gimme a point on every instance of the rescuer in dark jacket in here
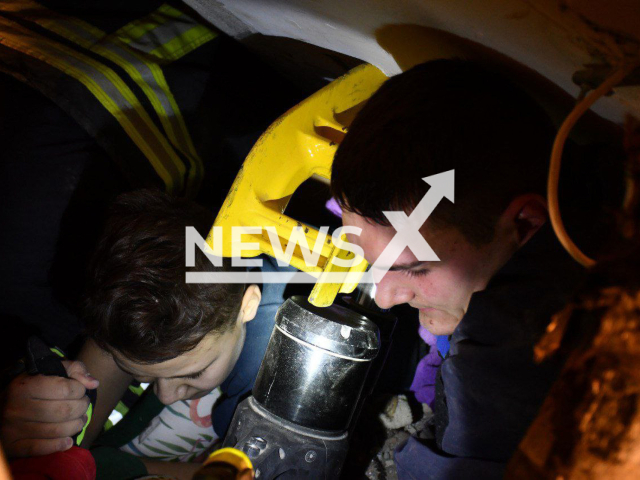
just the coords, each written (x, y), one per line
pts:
(501, 273)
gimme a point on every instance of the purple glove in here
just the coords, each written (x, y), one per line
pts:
(424, 381)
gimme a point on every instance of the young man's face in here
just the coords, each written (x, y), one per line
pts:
(441, 291)
(196, 373)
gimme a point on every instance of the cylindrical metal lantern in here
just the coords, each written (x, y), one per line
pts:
(316, 364)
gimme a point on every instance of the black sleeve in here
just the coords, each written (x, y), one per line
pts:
(55, 183)
(491, 384)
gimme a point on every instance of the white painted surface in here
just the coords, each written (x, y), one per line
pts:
(537, 33)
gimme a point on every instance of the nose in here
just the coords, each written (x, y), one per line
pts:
(389, 293)
(167, 391)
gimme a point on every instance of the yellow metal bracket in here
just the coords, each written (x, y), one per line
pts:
(297, 146)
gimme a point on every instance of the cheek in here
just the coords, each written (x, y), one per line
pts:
(445, 286)
(220, 370)
(210, 379)
(437, 283)
(204, 382)
(215, 375)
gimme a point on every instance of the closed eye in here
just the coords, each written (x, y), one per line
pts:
(194, 376)
(417, 273)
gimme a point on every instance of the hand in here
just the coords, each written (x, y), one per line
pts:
(40, 414)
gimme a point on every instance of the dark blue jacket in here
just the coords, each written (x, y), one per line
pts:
(489, 388)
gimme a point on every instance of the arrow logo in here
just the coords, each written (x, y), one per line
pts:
(408, 227)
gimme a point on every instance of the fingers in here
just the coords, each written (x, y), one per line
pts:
(78, 371)
(43, 431)
(49, 411)
(41, 413)
(34, 448)
(47, 388)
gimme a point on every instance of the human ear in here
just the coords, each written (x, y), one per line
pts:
(250, 303)
(527, 213)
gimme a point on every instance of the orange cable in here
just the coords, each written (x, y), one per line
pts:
(556, 160)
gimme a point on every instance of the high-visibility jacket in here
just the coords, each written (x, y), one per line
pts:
(113, 84)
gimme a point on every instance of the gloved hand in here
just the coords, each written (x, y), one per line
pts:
(41, 413)
(424, 381)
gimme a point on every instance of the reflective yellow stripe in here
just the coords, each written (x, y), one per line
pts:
(167, 34)
(112, 48)
(126, 109)
(174, 125)
(139, 28)
(185, 43)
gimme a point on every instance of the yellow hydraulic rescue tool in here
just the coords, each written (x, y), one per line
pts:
(297, 146)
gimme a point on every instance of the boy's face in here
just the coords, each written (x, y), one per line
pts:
(441, 291)
(196, 373)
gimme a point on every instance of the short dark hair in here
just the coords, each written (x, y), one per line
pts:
(137, 301)
(438, 116)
